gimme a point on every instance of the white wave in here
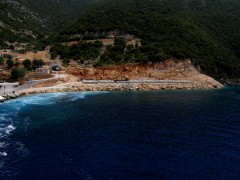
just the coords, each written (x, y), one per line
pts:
(82, 95)
(5, 117)
(53, 98)
(3, 154)
(10, 109)
(76, 96)
(6, 130)
(1, 164)
(3, 144)
(10, 128)
(2, 117)
(47, 99)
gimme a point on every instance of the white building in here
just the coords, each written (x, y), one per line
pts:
(43, 71)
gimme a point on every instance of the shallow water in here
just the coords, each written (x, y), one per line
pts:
(122, 135)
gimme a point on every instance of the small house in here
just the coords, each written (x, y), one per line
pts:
(43, 71)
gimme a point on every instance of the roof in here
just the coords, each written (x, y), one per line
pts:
(44, 67)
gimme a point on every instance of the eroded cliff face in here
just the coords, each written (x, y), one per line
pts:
(168, 70)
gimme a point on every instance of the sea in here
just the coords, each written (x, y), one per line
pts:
(183, 134)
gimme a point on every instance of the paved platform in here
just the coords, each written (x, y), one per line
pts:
(8, 88)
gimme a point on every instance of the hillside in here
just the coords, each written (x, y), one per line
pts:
(57, 12)
(207, 32)
(30, 20)
(18, 23)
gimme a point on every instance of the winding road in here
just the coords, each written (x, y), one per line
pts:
(9, 88)
(30, 84)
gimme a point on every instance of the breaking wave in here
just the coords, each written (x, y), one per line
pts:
(6, 128)
(9, 118)
(50, 98)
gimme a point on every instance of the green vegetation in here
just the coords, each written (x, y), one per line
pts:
(113, 54)
(81, 51)
(27, 63)
(17, 24)
(199, 30)
(18, 73)
(10, 63)
(57, 12)
(36, 63)
(66, 61)
(207, 32)
(1, 61)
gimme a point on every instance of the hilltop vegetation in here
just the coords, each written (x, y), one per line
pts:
(17, 23)
(57, 12)
(28, 21)
(207, 32)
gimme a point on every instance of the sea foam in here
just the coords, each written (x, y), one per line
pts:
(3, 154)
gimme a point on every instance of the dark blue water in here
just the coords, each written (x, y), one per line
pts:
(122, 135)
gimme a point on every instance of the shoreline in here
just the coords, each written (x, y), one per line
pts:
(124, 86)
(80, 87)
(170, 75)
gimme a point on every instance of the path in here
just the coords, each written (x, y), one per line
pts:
(9, 88)
(35, 82)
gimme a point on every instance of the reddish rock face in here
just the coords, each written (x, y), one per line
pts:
(170, 69)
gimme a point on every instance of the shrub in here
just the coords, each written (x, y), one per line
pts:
(10, 63)
(66, 61)
(27, 63)
(11, 47)
(36, 63)
(18, 73)
(1, 61)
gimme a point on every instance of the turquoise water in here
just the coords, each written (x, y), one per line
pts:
(122, 135)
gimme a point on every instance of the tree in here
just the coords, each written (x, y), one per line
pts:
(9, 56)
(18, 73)
(66, 61)
(39, 46)
(16, 63)
(10, 63)
(1, 61)
(36, 63)
(27, 63)
(11, 47)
